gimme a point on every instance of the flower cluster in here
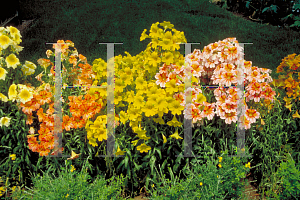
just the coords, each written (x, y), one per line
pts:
(219, 61)
(290, 78)
(142, 96)
(80, 109)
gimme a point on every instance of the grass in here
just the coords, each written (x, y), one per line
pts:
(88, 23)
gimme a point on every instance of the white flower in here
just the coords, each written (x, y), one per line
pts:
(4, 121)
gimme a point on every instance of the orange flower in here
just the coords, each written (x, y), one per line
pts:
(33, 144)
(41, 115)
(251, 114)
(86, 112)
(27, 108)
(44, 97)
(73, 156)
(49, 120)
(82, 58)
(44, 131)
(96, 107)
(29, 119)
(67, 123)
(50, 110)
(44, 151)
(44, 62)
(75, 110)
(61, 46)
(73, 60)
(89, 99)
(77, 122)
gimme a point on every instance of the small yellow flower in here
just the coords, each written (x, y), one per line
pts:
(73, 169)
(200, 183)
(119, 152)
(67, 195)
(153, 185)
(13, 188)
(248, 165)
(220, 165)
(2, 189)
(164, 138)
(217, 176)
(220, 159)
(13, 156)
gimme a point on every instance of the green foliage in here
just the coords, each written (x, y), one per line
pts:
(72, 185)
(87, 24)
(274, 12)
(14, 141)
(204, 180)
(289, 175)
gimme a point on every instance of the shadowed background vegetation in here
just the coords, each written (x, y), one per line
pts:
(88, 23)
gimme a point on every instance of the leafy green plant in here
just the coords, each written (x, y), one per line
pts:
(72, 185)
(214, 178)
(289, 175)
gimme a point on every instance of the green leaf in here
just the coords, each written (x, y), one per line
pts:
(126, 161)
(296, 23)
(158, 151)
(138, 167)
(152, 162)
(265, 9)
(296, 6)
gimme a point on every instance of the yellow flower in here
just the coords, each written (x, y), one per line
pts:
(28, 68)
(119, 152)
(166, 25)
(13, 188)
(200, 98)
(5, 41)
(296, 115)
(67, 195)
(247, 165)
(200, 183)
(12, 61)
(13, 156)
(289, 107)
(153, 185)
(175, 135)
(73, 156)
(3, 73)
(134, 142)
(2, 190)
(12, 92)
(25, 95)
(4, 121)
(220, 165)
(13, 31)
(164, 138)
(3, 97)
(220, 159)
(168, 56)
(73, 168)
(144, 35)
(49, 53)
(143, 148)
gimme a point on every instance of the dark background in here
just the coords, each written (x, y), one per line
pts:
(26, 10)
